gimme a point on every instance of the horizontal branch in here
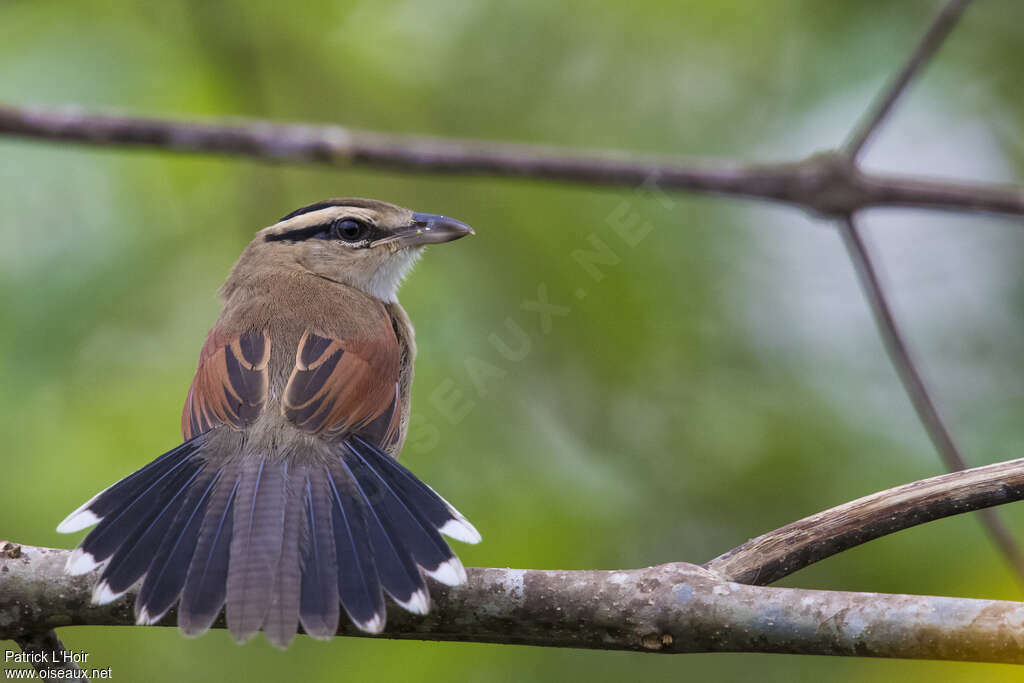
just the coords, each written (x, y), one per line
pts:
(827, 183)
(781, 552)
(672, 608)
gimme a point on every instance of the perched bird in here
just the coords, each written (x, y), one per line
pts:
(286, 500)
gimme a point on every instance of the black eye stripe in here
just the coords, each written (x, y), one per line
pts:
(321, 231)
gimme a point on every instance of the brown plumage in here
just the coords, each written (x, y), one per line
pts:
(285, 502)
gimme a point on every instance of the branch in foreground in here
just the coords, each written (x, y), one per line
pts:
(672, 608)
(827, 183)
(933, 37)
(781, 552)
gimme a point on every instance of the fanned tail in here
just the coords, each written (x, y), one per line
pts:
(275, 543)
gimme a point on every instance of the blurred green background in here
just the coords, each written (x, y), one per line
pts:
(722, 379)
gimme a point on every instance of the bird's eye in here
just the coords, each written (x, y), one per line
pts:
(348, 230)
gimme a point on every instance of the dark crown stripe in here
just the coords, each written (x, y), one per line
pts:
(327, 203)
(300, 234)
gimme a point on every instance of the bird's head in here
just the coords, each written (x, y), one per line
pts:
(363, 243)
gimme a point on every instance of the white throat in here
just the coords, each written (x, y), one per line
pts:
(386, 280)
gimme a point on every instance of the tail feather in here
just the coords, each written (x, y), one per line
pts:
(115, 497)
(282, 619)
(359, 586)
(125, 507)
(166, 575)
(206, 583)
(405, 524)
(155, 514)
(319, 601)
(255, 545)
(279, 542)
(396, 568)
(438, 511)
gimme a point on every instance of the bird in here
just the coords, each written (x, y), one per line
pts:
(285, 504)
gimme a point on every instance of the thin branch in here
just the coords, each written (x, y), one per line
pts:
(925, 49)
(779, 553)
(672, 608)
(826, 183)
(914, 384)
(895, 345)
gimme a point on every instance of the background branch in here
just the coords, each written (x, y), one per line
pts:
(933, 38)
(874, 291)
(672, 608)
(913, 383)
(826, 183)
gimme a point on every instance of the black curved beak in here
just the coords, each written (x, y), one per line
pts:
(430, 228)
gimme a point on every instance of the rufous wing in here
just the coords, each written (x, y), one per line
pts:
(230, 385)
(343, 386)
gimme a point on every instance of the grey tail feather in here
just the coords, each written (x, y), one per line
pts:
(282, 621)
(255, 545)
(319, 607)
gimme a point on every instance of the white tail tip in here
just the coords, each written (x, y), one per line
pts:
(450, 573)
(419, 603)
(78, 520)
(461, 530)
(102, 594)
(80, 562)
(375, 625)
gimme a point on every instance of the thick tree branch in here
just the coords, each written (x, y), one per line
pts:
(673, 608)
(781, 552)
(670, 608)
(827, 183)
(933, 37)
